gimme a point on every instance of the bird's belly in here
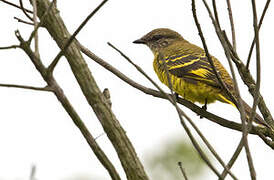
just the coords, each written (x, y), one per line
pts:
(192, 91)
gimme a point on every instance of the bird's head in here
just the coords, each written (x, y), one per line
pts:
(159, 38)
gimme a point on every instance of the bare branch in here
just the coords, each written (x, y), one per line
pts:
(36, 45)
(257, 86)
(24, 10)
(9, 47)
(68, 107)
(259, 26)
(23, 21)
(15, 5)
(243, 116)
(216, 13)
(47, 88)
(231, 24)
(182, 170)
(243, 71)
(42, 19)
(60, 54)
(233, 159)
(209, 57)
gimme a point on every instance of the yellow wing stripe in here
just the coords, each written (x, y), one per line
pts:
(178, 58)
(200, 72)
(226, 100)
(184, 64)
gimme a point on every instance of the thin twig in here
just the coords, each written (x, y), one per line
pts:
(243, 116)
(47, 88)
(240, 104)
(209, 57)
(233, 159)
(182, 170)
(244, 73)
(24, 10)
(259, 26)
(243, 119)
(23, 21)
(10, 47)
(240, 107)
(258, 82)
(231, 24)
(15, 5)
(42, 19)
(69, 41)
(216, 13)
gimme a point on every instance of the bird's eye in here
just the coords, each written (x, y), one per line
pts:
(157, 37)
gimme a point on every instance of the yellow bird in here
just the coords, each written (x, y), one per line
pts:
(190, 72)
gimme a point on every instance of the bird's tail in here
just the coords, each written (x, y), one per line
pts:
(257, 118)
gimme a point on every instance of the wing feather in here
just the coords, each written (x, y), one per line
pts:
(192, 69)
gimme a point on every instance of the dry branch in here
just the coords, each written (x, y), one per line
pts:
(52, 84)
(126, 153)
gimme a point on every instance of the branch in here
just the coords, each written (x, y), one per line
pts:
(24, 45)
(60, 54)
(209, 57)
(231, 24)
(116, 134)
(36, 45)
(47, 88)
(196, 109)
(233, 159)
(9, 47)
(182, 170)
(23, 21)
(15, 5)
(24, 10)
(243, 71)
(42, 19)
(259, 26)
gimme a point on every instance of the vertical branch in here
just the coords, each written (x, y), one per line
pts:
(231, 24)
(258, 80)
(240, 104)
(216, 13)
(259, 26)
(207, 53)
(36, 45)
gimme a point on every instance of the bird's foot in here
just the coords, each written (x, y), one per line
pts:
(204, 107)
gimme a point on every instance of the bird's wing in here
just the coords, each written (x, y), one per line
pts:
(192, 69)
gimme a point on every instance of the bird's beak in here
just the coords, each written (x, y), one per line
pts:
(139, 41)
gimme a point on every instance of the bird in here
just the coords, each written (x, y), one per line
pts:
(186, 67)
